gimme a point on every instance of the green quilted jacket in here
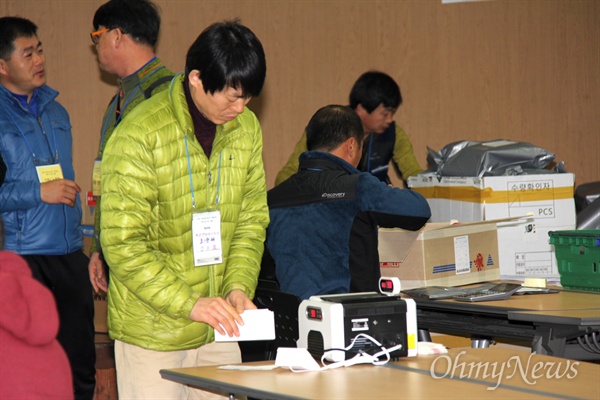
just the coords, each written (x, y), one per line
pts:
(147, 216)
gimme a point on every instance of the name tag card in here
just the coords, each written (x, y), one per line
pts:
(206, 238)
(47, 173)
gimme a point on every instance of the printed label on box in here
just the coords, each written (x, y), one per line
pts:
(536, 197)
(535, 263)
(461, 254)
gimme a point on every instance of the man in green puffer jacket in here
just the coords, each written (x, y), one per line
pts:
(184, 215)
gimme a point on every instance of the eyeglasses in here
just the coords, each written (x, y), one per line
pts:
(95, 36)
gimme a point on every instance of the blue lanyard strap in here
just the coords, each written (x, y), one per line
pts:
(219, 177)
(187, 153)
(54, 156)
(369, 153)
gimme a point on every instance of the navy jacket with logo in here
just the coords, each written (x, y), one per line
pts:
(323, 231)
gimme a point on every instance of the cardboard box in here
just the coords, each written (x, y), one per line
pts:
(524, 249)
(549, 197)
(440, 254)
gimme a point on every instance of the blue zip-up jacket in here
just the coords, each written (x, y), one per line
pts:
(323, 230)
(32, 226)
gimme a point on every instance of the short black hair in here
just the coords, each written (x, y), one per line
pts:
(374, 88)
(12, 28)
(139, 19)
(228, 54)
(331, 126)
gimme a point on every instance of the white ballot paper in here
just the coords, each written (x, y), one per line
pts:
(258, 325)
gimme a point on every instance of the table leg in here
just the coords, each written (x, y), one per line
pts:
(480, 342)
(423, 335)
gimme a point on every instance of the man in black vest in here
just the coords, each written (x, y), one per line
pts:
(375, 97)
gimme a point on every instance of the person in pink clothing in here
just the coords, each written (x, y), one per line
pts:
(33, 365)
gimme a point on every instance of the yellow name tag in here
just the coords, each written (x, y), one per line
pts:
(96, 182)
(47, 173)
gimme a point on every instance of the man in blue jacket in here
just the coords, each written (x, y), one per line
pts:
(323, 231)
(39, 199)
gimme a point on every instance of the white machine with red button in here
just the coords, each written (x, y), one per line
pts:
(334, 322)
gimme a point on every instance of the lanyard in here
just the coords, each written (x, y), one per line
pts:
(187, 152)
(55, 156)
(369, 154)
(310, 169)
(130, 97)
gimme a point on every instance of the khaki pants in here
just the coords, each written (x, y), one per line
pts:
(138, 376)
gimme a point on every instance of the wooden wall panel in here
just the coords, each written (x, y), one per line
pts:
(524, 70)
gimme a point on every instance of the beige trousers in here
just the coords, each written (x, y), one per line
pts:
(138, 376)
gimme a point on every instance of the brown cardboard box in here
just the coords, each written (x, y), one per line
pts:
(440, 254)
(524, 249)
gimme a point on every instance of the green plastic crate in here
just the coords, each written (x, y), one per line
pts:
(578, 258)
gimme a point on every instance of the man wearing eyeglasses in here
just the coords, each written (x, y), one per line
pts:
(39, 199)
(125, 34)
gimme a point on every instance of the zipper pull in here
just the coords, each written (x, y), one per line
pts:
(209, 178)
(39, 121)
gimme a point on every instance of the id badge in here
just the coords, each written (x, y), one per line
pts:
(206, 238)
(96, 182)
(47, 173)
